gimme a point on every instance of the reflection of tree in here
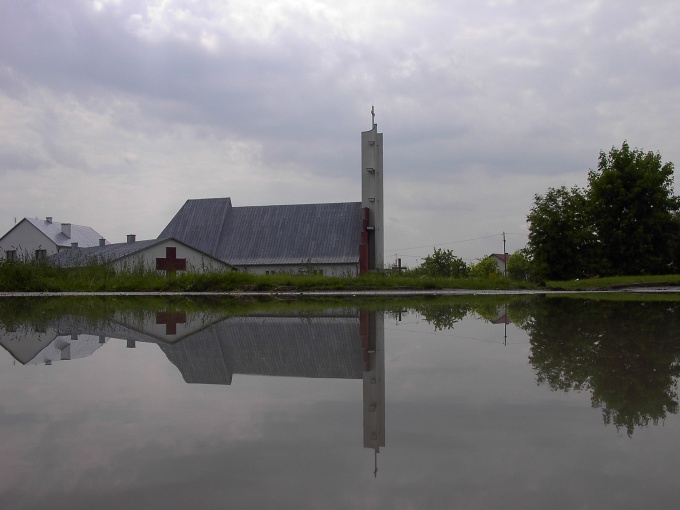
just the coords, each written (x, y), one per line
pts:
(625, 353)
(445, 313)
(443, 316)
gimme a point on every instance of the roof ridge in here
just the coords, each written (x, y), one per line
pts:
(297, 205)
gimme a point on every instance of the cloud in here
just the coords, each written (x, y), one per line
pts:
(248, 97)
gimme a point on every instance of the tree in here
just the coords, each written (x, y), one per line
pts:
(520, 265)
(562, 242)
(484, 268)
(443, 263)
(633, 206)
(626, 222)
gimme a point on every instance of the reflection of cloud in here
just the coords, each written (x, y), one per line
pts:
(468, 428)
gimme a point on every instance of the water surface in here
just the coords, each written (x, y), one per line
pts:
(467, 402)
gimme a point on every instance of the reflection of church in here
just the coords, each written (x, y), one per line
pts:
(208, 348)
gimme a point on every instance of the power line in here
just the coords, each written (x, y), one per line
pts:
(444, 244)
(395, 250)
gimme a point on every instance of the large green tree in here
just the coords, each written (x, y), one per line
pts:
(562, 242)
(625, 222)
(632, 203)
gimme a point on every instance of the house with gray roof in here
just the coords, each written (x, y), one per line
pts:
(33, 238)
(167, 255)
(339, 239)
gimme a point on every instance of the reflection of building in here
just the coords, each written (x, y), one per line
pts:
(31, 346)
(284, 346)
(208, 348)
(502, 316)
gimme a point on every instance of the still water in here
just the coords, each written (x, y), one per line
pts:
(466, 402)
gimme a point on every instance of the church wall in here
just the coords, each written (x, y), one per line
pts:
(326, 269)
(196, 262)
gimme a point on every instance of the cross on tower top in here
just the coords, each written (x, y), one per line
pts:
(373, 116)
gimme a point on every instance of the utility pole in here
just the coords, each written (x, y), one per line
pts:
(505, 257)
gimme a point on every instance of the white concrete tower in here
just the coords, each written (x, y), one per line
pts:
(372, 193)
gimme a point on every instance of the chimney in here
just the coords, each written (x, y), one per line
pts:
(130, 238)
(66, 229)
(48, 219)
(74, 245)
(102, 242)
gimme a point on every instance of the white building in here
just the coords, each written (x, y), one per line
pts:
(501, 260)
(32, 238)
(164, 255)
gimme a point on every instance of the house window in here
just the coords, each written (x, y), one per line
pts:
(11, 255)
(40, 254)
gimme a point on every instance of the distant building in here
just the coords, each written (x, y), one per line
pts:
(501, 260)
(32, 238)
(342, 239)
(166, 255)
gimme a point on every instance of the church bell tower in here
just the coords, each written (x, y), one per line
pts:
(372, 194)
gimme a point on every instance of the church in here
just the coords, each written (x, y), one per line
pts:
(335, 239)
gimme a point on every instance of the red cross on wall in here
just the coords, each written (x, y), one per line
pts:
(170, 320)
(171, 263)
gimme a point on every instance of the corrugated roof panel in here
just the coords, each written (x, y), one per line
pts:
(78, 257)
(199, 223)
(292, 234)
(275, 234)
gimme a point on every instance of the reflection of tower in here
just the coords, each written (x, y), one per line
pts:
(372, 327)
(372, 193)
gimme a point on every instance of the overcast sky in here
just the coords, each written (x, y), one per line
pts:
(114, 112)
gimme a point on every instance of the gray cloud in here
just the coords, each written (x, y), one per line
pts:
(492, 89)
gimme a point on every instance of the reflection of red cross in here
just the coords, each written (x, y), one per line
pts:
(171, 319)
(171, 263)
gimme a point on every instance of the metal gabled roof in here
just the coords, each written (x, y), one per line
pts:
(275, 234)
(83, 235)
(199, 223)
(79, 257)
